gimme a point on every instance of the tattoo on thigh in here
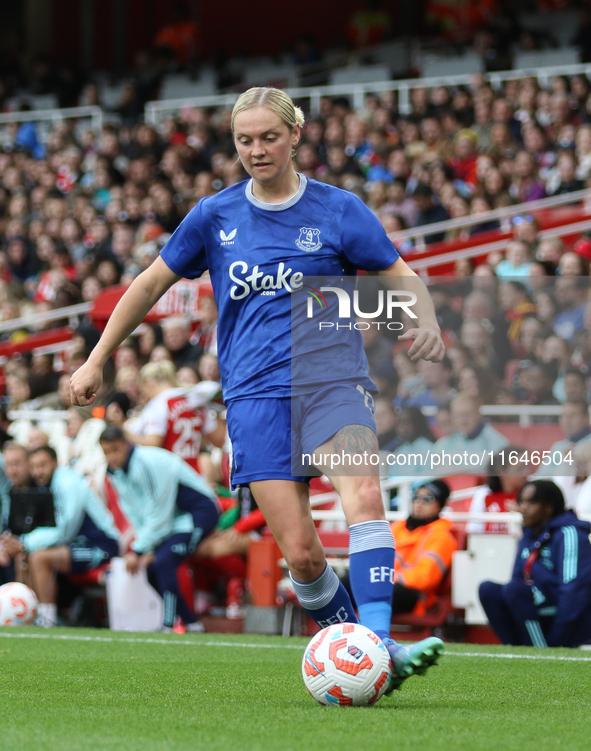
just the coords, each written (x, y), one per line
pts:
(355, 439)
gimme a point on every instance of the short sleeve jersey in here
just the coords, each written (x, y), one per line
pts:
(257, 255)
(180, 417)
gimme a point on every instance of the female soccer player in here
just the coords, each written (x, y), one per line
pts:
(267, 235)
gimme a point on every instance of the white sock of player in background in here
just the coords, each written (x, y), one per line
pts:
(47, 613)
(371, 574)
(325, 599)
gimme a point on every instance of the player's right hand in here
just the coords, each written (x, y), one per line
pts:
(85, 383)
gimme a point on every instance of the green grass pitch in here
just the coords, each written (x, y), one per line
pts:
(78, 690)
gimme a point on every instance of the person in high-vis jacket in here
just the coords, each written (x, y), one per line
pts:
(84, 536)
(171, 509)
(424, 548)
(547, 602)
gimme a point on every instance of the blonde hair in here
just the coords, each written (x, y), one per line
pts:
(273, 99)
(161, 372)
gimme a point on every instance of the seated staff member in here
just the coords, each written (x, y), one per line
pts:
(171, 509)
(424, 548)
(14, 473)
(83, 538)
(547, 603)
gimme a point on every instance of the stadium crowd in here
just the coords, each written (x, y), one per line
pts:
(86, 211)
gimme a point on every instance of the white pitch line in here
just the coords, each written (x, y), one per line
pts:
(245, 645)
(501, 656)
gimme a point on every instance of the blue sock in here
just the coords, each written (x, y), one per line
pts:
(371, 573)
(325, 599)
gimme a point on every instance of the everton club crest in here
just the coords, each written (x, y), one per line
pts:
(309, 239)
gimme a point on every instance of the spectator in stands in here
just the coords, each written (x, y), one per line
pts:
(571, 296)
(526, 185)
(399, 203)
(385, 418)
(531, 339)
(424, 549)
(546, 308)
(558, 351)
(414, 437)
(437, 387)
(550, 249)
(573, 264)
(448, 318)
(160, 353)
(127, 380)
(150, 337)
(476, 337)
(507, 473)
(566, 166)
(535, 381)
(574, 421)
(478, 382)
(171, 509)
(516, 305)
(177, 339)
(117, 407)
(517, 262)
(472, 435)
(84, 537)
(546, 603)
(575, 385)
(378, 349)
(429, 212)
(205, 334)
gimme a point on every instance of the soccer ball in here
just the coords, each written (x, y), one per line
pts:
(346, 665)
(18, 604)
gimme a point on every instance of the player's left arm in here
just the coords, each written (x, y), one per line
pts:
(426, 335)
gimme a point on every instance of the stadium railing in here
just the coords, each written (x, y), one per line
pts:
(525, 412)
(72, 313)
(156, 110)
(504, 216)
(95, 115)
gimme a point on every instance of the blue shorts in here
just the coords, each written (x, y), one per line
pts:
(90, 553)
(267, 433)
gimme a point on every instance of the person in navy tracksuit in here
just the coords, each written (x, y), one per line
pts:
(547, 603)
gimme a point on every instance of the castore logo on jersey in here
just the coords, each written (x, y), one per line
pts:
(228, 239)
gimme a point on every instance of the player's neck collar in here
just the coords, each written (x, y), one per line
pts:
(277, 206)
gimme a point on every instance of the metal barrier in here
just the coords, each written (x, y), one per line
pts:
(421, 265)
(54, 117)
(72, 313)
(506, 212)
(155, 110)
(524, 412)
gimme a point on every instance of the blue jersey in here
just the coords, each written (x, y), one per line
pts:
(257, 255)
